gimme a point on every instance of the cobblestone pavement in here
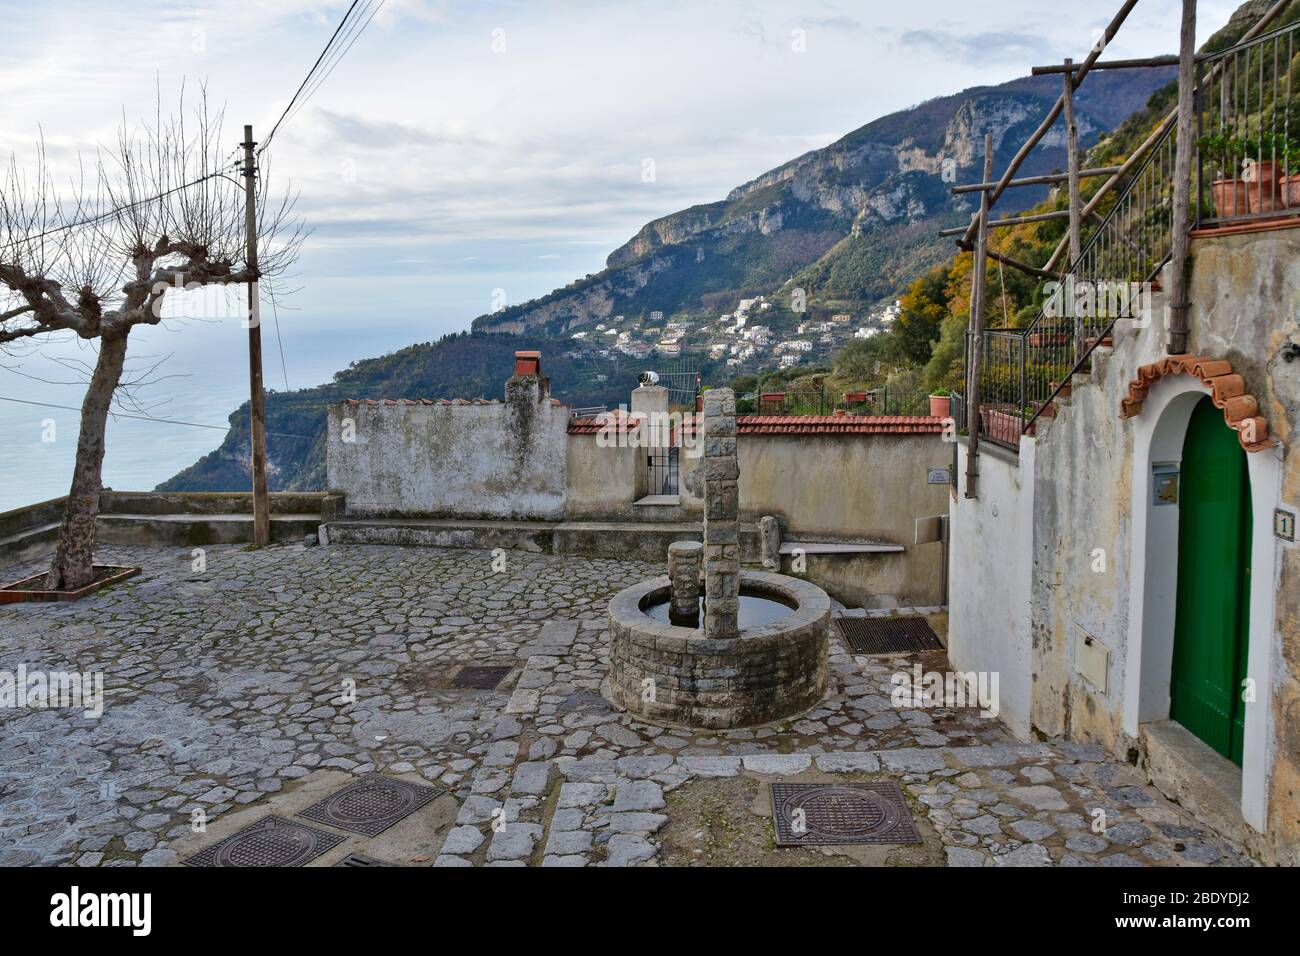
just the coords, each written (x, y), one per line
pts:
(225, 686)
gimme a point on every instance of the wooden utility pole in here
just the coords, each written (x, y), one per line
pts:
(1178, 328)
(978, 267)
(1075, 231)
(1072, 151)
(257, 394)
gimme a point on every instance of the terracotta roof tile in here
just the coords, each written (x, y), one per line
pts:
(838, 425)
(597, 423)
(1227, 391)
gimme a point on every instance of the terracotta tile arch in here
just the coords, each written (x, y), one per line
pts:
(1227, 391)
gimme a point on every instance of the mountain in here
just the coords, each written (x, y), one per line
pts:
(852, 224)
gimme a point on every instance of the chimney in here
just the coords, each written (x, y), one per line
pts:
(528, 384)
(528, 363)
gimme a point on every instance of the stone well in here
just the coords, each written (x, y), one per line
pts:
(717, 675)
(672, 675)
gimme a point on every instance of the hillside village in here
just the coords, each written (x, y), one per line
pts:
(737, 337)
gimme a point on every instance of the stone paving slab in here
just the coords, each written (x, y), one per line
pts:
(228, 688)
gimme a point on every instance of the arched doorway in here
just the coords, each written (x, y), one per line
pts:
(1212, 618)
(1160, 439)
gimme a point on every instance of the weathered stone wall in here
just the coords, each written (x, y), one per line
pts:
(853, 487)
(498, 460)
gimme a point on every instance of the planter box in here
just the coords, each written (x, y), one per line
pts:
(19, 592)
(1290, 189)
(1264, 191)
(1049, 338)
(1003, 426)
(1231, 197)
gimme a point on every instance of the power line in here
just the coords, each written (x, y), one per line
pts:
(91, 220)
(354, 34)
(310, 74)
(146, 418)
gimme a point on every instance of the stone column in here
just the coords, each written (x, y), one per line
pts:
(770, 534)
(721, 515)
(684, 570)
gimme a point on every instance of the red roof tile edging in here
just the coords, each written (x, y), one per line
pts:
(1227, 391)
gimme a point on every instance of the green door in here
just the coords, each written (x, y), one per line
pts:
(1213, 602)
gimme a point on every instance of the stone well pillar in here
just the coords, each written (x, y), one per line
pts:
(684, 571)
(721, 516)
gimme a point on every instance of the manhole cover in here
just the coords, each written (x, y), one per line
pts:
(887, 635)
(360, 860)
(811, 814)
(274, 841)
(481, 677)
(371, 805)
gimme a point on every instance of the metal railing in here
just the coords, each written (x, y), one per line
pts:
(1248, 131)
(662, 468)
(881, 400)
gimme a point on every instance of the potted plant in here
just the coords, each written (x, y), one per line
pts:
(1289, 184)
(1231, 195)
(941, 405)
(1264, 154)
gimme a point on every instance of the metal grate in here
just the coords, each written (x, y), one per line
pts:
(371, 805)
(273, 841)
(888, 635)
(816, 814)
(360, 861)
(481, 677)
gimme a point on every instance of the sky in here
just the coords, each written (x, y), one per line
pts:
(464, 154)
(460, 148)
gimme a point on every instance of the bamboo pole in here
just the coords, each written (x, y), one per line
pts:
(1178, 327)
(1168, 59)
(1011, 221)
(1054, 113)
(978, 267)
(1051, 179)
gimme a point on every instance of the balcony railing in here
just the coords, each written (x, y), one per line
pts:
(1248, 131)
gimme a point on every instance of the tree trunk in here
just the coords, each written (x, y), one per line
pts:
(74, 555)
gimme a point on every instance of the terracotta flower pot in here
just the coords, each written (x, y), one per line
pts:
(1230, 197)
(940, 406)
(1262, 187)
(1290, 190)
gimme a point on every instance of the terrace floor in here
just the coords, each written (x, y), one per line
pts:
(228, 698)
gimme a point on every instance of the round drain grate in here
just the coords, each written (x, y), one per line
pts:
(273, 841)
(808, 814)
(371, 805)
(841, 812)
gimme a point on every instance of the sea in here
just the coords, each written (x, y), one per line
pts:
(192, 371)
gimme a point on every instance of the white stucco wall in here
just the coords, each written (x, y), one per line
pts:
(989, 578)
(500, 460)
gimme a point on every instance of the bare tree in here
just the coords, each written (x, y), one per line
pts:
(159, 211)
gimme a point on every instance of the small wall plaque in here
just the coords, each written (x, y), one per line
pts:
(1284, 524)
(1091, 658)
(1164, 485)
(938, 476)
